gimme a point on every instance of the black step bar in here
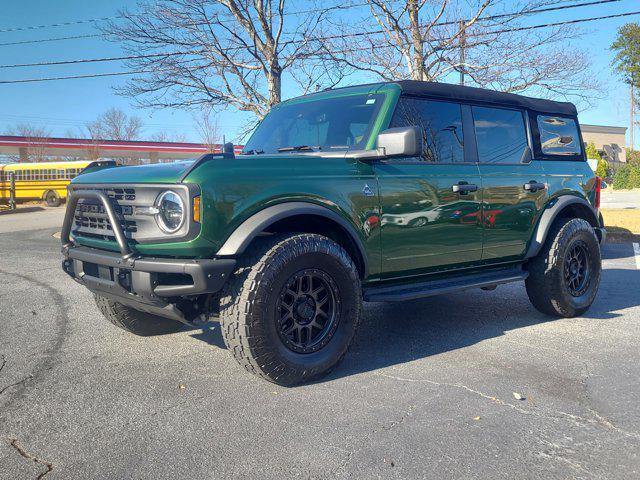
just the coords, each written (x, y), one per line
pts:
(400, 293)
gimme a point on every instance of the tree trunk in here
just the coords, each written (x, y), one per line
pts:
(274, 84)
(417, 69)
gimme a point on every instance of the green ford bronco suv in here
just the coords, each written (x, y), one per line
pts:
(375, 193)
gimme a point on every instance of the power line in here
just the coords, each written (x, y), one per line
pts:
(336, 7)
(59, 24)
(94, 60)
(557, 24)
(331, 37)
(116, 17)
(528, 12)
(531, 27)
(361, 34)
(54, 39)
(71, 77)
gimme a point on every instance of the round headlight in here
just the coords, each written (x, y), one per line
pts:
(171, 212)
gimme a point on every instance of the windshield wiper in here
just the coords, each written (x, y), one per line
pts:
(253, 152)
(298, 148)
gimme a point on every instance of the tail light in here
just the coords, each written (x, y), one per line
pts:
(598, 188)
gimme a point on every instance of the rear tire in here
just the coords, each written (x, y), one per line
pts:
(565, 275)
(135, 321)
(291, 309)
(52, 199)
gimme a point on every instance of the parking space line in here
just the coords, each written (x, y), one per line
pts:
(636, 252)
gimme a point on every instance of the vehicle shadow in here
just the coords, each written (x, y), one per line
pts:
(21, 210)
(209, 333)
(396, 333)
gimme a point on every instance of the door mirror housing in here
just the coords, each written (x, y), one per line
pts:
(400, 141)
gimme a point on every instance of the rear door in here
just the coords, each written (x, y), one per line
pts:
(430, 205)
(514, 189)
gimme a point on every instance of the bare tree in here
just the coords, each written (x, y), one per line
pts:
(114, 124)
(35, 137)
(445, 40)
(217, 53)
(164, 136)
(207, 126)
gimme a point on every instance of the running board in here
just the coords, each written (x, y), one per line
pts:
(400, 293)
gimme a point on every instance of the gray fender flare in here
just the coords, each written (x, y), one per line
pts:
(258, 222)
(549, 215)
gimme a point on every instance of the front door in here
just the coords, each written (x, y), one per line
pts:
(430, 205)
(514, 185)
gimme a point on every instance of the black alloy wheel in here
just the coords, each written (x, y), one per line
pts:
(308, 311)
(576, 269)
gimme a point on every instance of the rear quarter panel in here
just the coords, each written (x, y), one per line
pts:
(570, 178)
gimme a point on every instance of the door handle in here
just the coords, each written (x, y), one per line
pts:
(534, 186)
(464, 188)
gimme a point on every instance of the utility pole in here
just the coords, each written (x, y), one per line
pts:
(631, 123)
(463, 43)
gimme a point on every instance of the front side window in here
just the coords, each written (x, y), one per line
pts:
(501, 135)
(328, 124)
(441, 125)
(558, 135)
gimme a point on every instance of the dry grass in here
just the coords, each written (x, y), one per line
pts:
(621, 220)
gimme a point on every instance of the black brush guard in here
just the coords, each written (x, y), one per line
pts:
(149, 284)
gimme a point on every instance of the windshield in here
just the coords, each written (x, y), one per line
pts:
(337, 123)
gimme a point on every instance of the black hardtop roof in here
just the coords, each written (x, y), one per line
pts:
(450, 91)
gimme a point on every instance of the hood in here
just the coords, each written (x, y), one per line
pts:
(154, 173)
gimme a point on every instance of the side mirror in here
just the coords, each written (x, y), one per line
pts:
(400, 141)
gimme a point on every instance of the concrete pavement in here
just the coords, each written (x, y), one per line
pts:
(620, 198)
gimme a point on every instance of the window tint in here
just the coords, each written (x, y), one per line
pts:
(501, 135)
(558, 136)
(441, 124)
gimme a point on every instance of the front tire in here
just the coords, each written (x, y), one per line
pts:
(291, 310)
(565, 275)
(134, 321)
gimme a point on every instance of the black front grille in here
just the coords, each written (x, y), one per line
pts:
(127, 194)
(90, 217)
(87, 220)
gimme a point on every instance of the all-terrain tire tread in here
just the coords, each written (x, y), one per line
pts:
(544, 274)
(238, 301)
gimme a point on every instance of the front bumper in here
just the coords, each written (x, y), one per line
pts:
(153, 285)
(147, 284)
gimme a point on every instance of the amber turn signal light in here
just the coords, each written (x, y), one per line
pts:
(196, 209)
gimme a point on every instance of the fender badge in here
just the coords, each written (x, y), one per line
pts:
(367, 191)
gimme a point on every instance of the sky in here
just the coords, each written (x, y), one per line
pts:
(64, 107)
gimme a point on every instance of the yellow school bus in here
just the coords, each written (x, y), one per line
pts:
(46, 181)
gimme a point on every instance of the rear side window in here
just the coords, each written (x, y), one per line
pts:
(441, 124)
(501, 135)
(558, 135)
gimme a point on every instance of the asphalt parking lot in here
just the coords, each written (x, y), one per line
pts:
(426, 391)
